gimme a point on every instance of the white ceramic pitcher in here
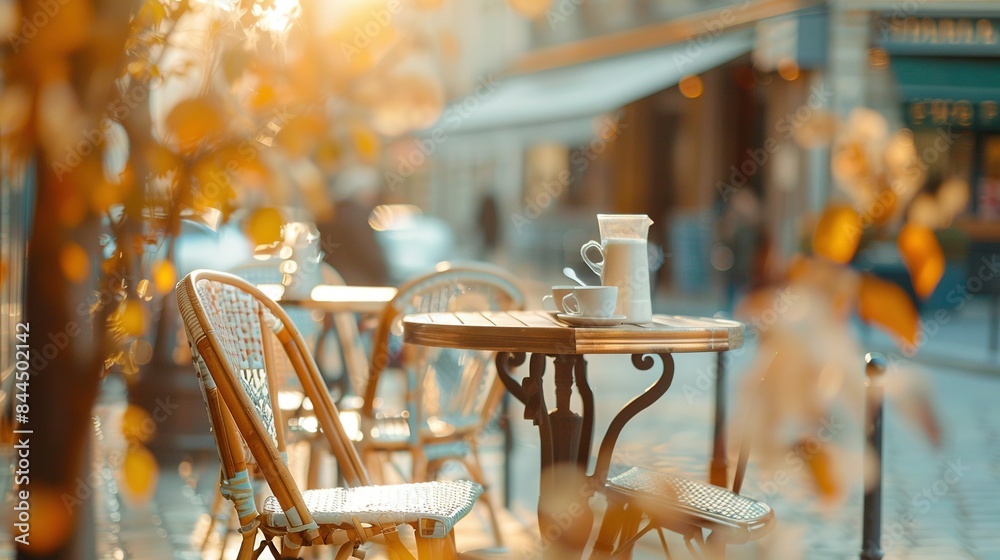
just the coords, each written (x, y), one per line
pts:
(624, 263)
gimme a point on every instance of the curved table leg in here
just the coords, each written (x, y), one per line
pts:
(652, 393)
(587, 395)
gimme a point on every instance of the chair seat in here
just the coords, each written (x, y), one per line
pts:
(440, 503)
(669, 497)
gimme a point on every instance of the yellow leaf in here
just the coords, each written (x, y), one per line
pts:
(74, 262)
(164, 276)
(299, 137)
(137, 425)
(140, 472)
(192, 122)
(264, 226)
(819, 462)
(923, 257)
(132, 318)
(837, 234)
(366, 143)
(160, 159)
(889, 307)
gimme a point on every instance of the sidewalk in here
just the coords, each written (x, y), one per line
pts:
(939, 503)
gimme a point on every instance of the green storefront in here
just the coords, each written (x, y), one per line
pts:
(947, 72)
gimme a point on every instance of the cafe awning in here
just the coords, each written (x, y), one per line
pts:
(928, 77)
(589, 89)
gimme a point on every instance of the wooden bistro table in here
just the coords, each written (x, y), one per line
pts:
(564, 515)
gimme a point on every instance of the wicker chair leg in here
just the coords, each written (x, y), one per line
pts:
(435, 549)
(213, 515)
(611, 525)
(289, 553)
(715, 548)
(246, 547)
(630, 528)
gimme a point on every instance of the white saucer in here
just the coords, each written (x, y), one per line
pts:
(581, 321)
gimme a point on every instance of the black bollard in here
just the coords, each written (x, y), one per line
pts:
(871, 537)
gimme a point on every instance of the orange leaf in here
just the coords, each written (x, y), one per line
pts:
(820, 464)
(889, 307)
(838, 234)
(132, 318)
(923, 257)
(193, 121)
(74, 262)
(164, 276)
(137, 424)
(264, 226)
(140, 472)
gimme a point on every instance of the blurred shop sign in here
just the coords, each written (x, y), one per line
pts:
(955, 113)
(904, 33)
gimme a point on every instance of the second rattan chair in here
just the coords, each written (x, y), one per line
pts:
(234, 331)
(453, 395)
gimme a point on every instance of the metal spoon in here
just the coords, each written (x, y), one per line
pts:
(571, 274)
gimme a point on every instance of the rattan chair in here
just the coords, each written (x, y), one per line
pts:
(234, 331)
(291, 398)
(453, 395)
(685, 506)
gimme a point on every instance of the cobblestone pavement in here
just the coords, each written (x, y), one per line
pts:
(939, 503)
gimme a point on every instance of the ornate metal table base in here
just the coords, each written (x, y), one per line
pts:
(566, 438)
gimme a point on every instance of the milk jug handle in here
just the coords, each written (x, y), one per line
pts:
(598, 266)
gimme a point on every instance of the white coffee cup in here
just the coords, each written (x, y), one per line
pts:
(553, 301)
(596, 302)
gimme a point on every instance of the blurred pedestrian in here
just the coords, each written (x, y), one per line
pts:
(489, 224)
(347, 239)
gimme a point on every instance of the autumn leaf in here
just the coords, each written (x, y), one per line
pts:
(838, 234)
(74, 262)
(263, 227)
(137, 425)
(299, 137)
(923, 257)
(140, 473)
(132, 318)
(192, 122)
(889, 307)
(164, 276)
(819, 462)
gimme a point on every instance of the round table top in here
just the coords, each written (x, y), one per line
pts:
(541, 331)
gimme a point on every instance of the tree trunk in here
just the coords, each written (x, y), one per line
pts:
(65, 372)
